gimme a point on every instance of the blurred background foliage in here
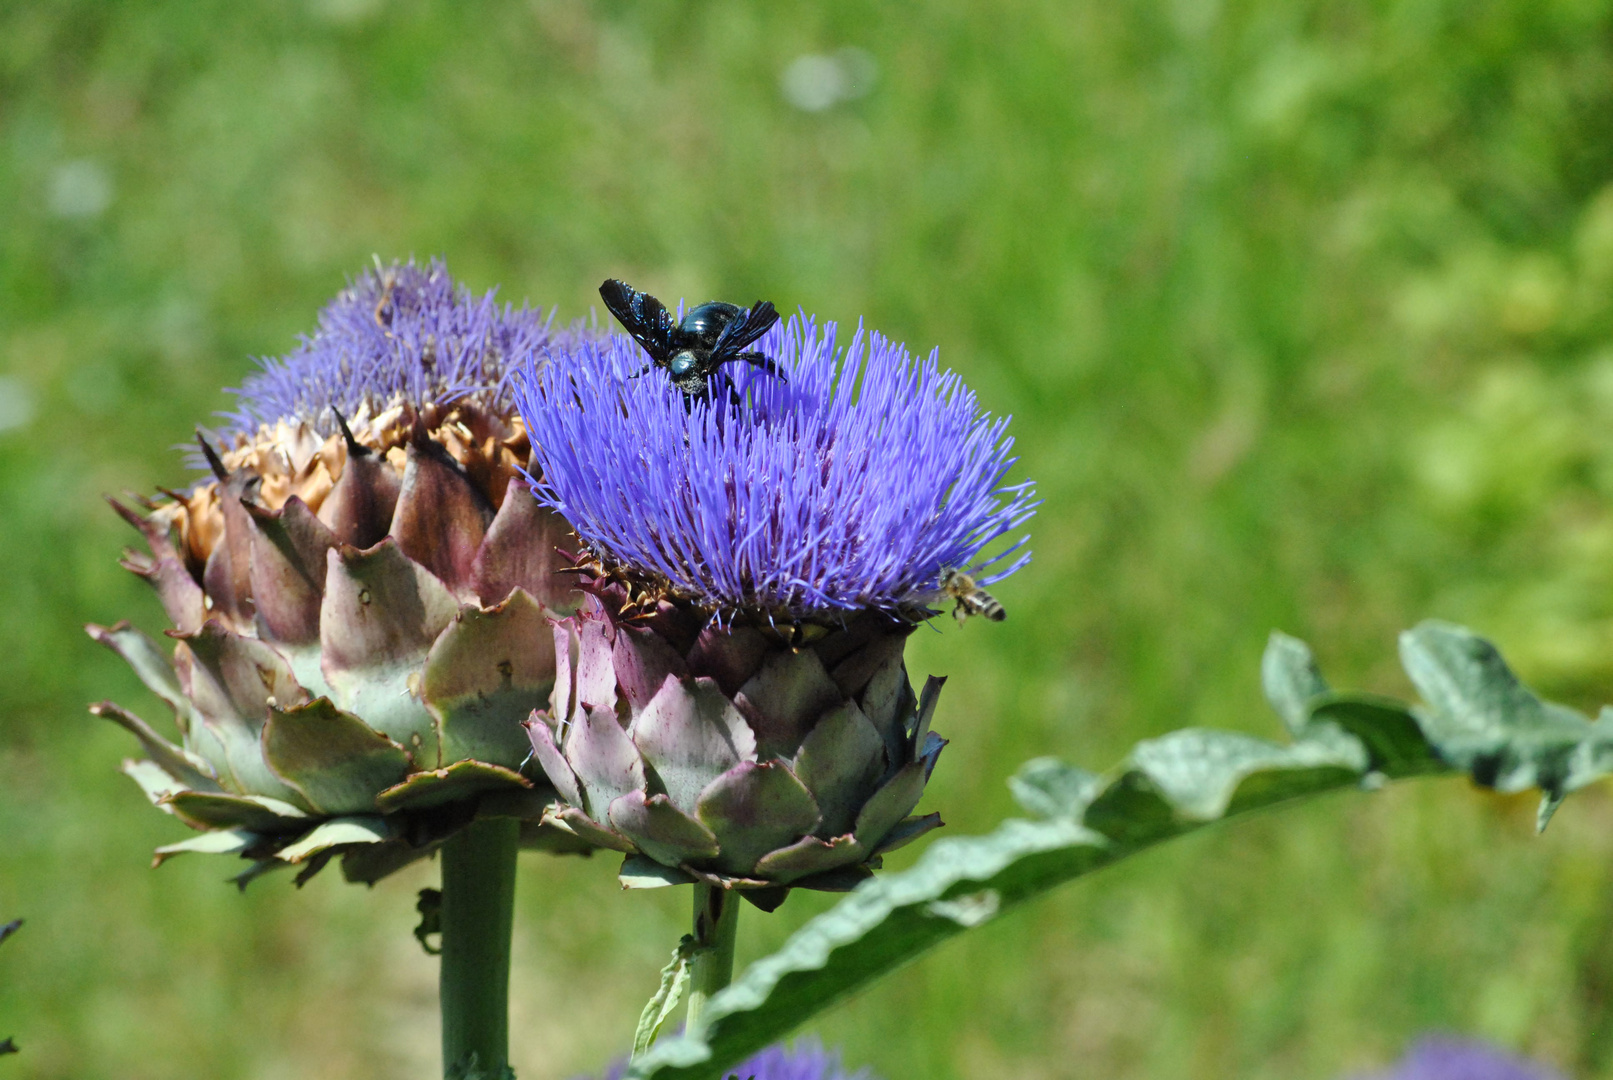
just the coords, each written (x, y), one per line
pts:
(1303, 308)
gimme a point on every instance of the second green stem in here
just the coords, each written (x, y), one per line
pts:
(716, 923)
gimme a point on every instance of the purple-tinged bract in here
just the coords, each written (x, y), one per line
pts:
(402, 332)
(853, 484)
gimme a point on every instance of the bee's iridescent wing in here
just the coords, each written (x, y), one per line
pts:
(642, 316)
(743, 329)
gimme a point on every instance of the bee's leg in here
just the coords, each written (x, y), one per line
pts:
(733, 391)
(960, 613)
(756, 359)
(645, 370)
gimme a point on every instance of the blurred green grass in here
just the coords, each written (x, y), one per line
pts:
(1303, 313)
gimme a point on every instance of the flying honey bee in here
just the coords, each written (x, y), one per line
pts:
(971, 598)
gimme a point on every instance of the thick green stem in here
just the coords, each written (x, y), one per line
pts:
(478, 908)
(716, 922)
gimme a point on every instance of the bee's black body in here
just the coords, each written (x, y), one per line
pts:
(692, 352)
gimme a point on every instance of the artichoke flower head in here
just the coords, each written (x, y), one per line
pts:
(360, 594)
(732, 706)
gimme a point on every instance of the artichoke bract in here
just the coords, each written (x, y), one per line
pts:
(732, 707)
(361, 596)
(730, 757)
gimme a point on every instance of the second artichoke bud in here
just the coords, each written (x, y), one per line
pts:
(359, 596)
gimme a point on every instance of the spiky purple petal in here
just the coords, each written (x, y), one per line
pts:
(855, 484)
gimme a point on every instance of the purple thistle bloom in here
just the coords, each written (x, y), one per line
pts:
(1443, 1058)
(806, 1060)
(400, 332)
(855, 484)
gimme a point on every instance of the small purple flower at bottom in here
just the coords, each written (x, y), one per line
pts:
(1445, 1058)
(806, 1060)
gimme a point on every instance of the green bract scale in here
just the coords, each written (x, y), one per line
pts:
(723, 755)
(361, 595)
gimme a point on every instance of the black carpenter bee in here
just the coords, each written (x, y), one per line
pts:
(693, 351)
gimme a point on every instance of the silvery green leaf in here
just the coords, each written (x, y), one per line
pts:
(674, 979)
(1480, 720)
(1290, 679)
(1047, 788)
(1389, 731)
(1486, 722)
